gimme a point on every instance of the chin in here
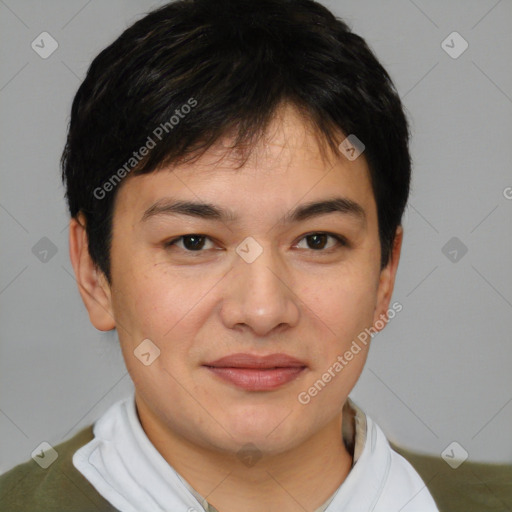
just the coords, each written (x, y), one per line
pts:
(271, 434)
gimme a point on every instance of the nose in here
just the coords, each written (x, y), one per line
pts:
(259, 296)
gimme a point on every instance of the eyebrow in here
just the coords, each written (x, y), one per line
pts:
(209, 211)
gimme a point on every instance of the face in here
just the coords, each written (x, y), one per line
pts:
(263, 275)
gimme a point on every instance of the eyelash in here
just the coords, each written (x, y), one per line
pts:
(342, 242)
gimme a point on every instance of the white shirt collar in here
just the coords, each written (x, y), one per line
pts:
(127, 470)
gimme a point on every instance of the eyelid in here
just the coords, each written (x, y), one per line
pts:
(340, 239)
(172, 241)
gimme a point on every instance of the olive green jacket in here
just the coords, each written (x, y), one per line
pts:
(62, 488)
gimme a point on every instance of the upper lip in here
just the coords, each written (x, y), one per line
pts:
(242, 360)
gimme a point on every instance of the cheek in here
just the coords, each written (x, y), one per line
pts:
(167, 309)
(145, 298)
(344, 306)
(156, 309)
(343, 310)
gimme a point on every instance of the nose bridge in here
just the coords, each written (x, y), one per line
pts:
(258, 293)
(261, 273)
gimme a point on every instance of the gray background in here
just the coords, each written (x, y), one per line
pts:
(439, 372)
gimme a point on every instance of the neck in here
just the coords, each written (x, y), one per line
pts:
(300, 479)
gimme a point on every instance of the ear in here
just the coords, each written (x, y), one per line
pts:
(92, 283)
(387, 282)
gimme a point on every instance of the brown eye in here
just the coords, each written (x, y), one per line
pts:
(190, 243)
(318, 241)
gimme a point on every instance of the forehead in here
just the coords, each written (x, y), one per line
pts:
(287, 166)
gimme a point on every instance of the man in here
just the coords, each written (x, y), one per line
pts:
(236, 174)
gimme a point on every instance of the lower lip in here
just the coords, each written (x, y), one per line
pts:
(255, 379)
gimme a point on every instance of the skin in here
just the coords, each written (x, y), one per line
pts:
(200, 306)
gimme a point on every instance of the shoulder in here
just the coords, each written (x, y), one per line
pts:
(401, 487)
(381, 480)
(405, 486)
(58, 488)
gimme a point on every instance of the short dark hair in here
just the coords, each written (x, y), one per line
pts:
(233, 63)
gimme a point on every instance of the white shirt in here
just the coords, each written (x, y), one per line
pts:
(128, 471)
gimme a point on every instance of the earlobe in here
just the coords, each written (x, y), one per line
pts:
(92, 284)
(387, 281)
